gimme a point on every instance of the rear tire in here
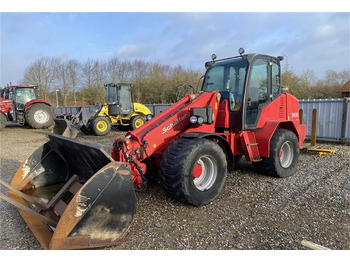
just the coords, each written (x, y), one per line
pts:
(2, 121)
(284, 153)
(136, 122)
(39, 116)
(100, 126)
(193, 171)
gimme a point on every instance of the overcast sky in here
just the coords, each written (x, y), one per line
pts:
(317, 41)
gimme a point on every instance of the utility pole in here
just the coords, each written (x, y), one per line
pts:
(57, 90)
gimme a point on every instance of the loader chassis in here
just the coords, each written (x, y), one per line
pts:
(240, 111)
(244, 96)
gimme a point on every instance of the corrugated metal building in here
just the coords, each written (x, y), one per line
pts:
(332, 116)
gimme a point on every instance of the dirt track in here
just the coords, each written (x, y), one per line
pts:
(253, 211)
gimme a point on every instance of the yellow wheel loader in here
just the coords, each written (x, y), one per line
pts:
(119, 111)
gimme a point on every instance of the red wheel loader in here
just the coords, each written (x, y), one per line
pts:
(73, 195)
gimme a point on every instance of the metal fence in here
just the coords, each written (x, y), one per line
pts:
(332, 116)
(71, 110)
(90, 109)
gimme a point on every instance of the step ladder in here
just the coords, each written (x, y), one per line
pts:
(250, 146)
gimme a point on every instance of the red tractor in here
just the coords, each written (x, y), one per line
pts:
(20, 104)
(241, 110)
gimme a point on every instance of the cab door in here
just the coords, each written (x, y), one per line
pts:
(125, 99)
(258, 90)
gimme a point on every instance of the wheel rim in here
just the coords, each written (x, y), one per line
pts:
(286, 154)
(41, 116)
(138, 123)
(101, 126)
(204, 173)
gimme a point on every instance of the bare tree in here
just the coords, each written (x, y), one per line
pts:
(42, 72)
(74, 76)
(152, 82)
(99, 71)
(138, 74)
(87, 73)
(62, 77)
(112, 70)
(328, 88)
(94, 73)
(139, 69)
(124, 72)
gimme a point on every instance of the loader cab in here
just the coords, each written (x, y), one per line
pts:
(22, 95)
(119, 99)
(247, 82)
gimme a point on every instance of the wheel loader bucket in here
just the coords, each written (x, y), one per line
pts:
(65, 128)
(73, 195)
(70, 127)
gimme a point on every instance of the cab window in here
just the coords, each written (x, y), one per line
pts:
(258, 92)
(276, 87)
(227, 77)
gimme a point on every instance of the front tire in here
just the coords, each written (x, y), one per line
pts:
(193, 171)
(101, 126)
(136, 122)
(284, 153)
(39, 116)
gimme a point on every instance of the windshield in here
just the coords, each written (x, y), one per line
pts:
(112, 96)
(24, 95)
(227, 76)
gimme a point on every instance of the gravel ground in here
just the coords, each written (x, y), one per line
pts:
(254, 211)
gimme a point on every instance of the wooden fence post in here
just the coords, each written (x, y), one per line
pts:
(344, 119)
(314, 127)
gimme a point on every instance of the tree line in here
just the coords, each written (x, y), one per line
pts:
(83, 82)
(307, 86)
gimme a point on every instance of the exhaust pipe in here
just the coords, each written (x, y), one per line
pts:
(73, 195)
